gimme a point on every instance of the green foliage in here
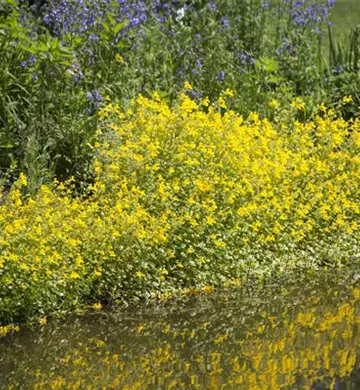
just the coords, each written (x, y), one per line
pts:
(257, 49)
(181, 200)
(54, 89)
(41, 107)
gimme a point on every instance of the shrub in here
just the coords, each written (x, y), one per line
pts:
(183, 197)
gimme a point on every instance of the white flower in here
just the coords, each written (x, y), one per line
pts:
(180, 13)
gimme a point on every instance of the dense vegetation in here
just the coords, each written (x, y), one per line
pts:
(181, 199)
(62, 60)
(148, 147)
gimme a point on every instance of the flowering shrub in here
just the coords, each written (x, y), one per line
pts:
(183, 197)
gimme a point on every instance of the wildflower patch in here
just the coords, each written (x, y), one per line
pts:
(183, 198)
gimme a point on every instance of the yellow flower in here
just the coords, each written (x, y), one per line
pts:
(210, 220)
(97, 306)
(229, 92)
(187, 85)
(4, 330)
(208, 289)
(347, 99)
(140, 275)
(322, 107)
(119, 59)
(205, 102)
(220, 244)
(22, 180)
(221, 102)
(274, 103)
(175, 183)
(140, 328)
(298, 104)
(43, 321)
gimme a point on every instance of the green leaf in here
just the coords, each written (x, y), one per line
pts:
(118, 27)
(55, 43)
(106, 26)
(121, 44)
(28, 49)
(268, 64)
(111, 19)
(274, 79)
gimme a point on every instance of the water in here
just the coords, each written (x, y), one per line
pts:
(302, 336)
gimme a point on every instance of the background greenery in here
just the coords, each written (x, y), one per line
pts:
(55, 75)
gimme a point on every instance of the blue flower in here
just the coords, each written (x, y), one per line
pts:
(94, 37)
(304, 14)
(32, 59)
(212, 5)
(338, 69)
(245, 58)
(192, 94)
(225, 22)
(134, 22)
(97, 96)
(78, 76)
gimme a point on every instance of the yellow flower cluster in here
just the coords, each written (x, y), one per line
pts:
(7, 329)
(187, 196)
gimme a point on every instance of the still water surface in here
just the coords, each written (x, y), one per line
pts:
(303, 336)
